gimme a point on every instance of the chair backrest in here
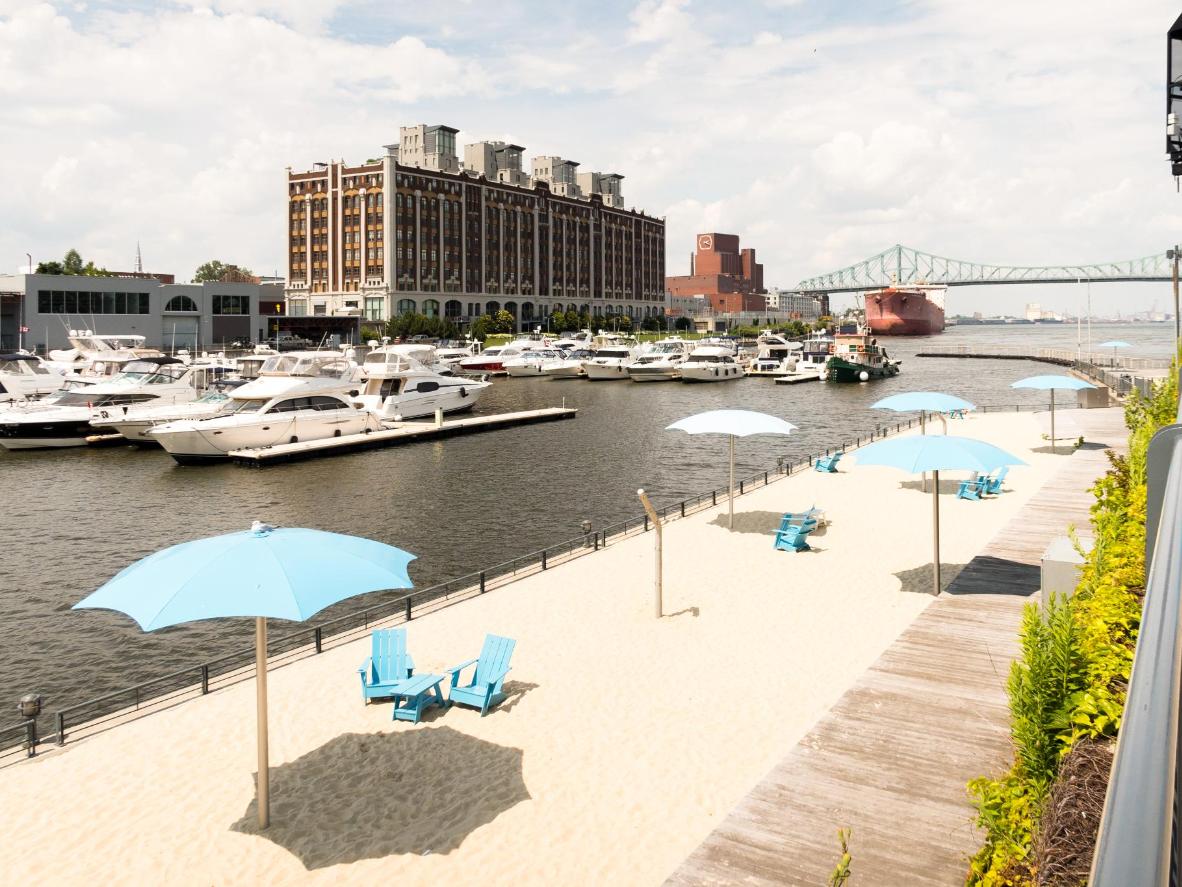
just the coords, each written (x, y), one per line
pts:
(494, 656)
(1001, 475)
(389, 653)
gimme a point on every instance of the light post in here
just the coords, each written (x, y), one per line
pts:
(1172, 255)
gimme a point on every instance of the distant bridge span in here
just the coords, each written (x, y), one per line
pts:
(902, 265)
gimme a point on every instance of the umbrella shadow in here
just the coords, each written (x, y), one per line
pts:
(918, 580)
(762, 523)
(368, 796)
(946, 486)
(1063, 449)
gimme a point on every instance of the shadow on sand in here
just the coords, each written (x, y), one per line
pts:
(367, 796)
(918, 580)
(947, 486)
(762, 523)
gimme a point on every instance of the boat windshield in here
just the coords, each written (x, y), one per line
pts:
(167, 373)
(612, 352)
(491, 352)
(252, 405)
(668, 348)
(212, 397)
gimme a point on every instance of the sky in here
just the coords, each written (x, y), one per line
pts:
(1009, 132)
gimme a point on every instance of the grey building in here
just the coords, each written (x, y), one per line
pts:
(38, 310)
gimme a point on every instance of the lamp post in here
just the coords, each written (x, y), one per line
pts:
(1172, 255)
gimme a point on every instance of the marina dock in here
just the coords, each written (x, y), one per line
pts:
(403, 433)
(891, 760)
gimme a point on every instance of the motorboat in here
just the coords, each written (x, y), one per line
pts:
(775, 355)
(662, 363)
(66, 421)
(25, 376)
(534, 362)
(450, 355)
(492, 360)
(813, 360)
(88, 347)
(299, 396)
(135, 421)
(427, 355)
(399, 387)
(711, 363)
(570, 366)
(610, 363)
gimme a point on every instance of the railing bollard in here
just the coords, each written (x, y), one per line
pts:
(408, 617)
(61, 729)
(596, 541)
(319, 639)
(740, 488)
(482, 581)
(205, 678)
(713, 497)
(31, 737)
(765, 480)
(543, 558)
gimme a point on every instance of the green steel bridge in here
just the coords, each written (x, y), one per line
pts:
(903, 266)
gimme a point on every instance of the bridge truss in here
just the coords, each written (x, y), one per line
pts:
(902, 266)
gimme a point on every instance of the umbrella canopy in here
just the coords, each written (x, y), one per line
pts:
(936, 454)
(285, 573)
(1051, 383)
(1115, 343)
(734, 423)
(931, 401)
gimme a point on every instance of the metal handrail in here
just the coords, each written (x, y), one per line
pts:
(201, 678)
(1138, 840)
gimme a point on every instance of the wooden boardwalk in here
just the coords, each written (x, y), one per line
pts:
(892, 758)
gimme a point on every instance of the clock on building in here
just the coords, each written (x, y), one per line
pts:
(704, 242)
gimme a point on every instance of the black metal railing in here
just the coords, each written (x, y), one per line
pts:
(206, 677)
(1139, 840)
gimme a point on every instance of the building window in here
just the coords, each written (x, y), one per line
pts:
(431, 307)
(374, 308)
(180, 303)
(320, 310)
(87, 302)
(297, 308)
(231, 304)
(406, 306)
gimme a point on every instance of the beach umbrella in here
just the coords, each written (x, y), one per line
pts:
(1051, 383)
(284, 573)
(734, 423)
(923, 402)
(1114, 344)
(936, 453)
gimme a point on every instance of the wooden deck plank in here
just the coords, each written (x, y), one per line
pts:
(892, 757)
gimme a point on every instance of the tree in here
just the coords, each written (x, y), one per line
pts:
(624, 322)
(72, 263)
(217, 271)
(557, 321)
(683, 324)
(571, 321)
(651, 324)
(481, 327)
(503, 322)
(50, 268)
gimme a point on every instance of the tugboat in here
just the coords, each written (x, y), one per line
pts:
(857, 357)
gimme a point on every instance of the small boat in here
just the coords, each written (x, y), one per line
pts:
(611, 358)
(399, 387)
(810, 364)
(857, 357)
(492, 360)
(136, 421)
(533, 362)
(775, 355)
(662, 363)
(711, 363)
(570, 366)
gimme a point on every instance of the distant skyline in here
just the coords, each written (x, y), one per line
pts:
(820, 133)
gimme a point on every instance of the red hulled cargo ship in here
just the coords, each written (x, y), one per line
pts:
(906, 310)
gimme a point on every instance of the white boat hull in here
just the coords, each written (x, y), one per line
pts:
(422, 405)
(563, 372)
(212, 440)
(518, 372)
(726, 373)
(655, 374)
(603, 372)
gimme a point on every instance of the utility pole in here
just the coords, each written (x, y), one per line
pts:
(1173, 255)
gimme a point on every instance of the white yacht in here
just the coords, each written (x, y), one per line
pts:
(492, 360)
(88, 347)
(427, 355)
(399, 387)
(66, 421)
(136, 421)
(812, 362)
(611, 358)
(711, 363)
(570, 366)
(662, 363)
(25, 376)
(452, 354)
(298, 396)
(775, 356)
(533, 362)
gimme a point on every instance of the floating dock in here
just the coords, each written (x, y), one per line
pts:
(394, 435)
(794, 378)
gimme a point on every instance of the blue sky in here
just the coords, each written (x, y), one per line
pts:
(820, 132)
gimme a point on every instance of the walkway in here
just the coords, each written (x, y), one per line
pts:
(892, 758)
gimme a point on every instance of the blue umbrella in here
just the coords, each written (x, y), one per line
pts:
(1114, 344)
(935, 454)
(286, 573)
(734, 423)
(924, 402)
(1051, 383)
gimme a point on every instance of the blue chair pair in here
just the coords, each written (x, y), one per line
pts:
(794, 530)
(390, 666)
(956, 414)
(827, 463)
(990, 485)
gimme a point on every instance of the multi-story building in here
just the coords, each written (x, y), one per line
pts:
(413, 232)
(797, 306)
(728, 275)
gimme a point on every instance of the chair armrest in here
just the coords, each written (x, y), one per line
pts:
(498, 676)
(365, 665)
(455, 670)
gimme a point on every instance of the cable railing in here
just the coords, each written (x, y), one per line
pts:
(1060, 356)
(311, 639)
(1139, 842)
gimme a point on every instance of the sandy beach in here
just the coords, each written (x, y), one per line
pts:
(624, 740)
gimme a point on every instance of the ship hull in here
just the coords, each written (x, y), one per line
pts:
(841, 370)
(903, 313)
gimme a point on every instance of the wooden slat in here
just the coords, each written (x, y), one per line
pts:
(892, 758)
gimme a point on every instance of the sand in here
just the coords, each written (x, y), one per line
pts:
(625, 739)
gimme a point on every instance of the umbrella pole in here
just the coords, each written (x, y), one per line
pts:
(923, 430)
(1053, 450)
(936, 532)
(264, 781)
(731, 497)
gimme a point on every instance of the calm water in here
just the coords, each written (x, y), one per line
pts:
(76, 517)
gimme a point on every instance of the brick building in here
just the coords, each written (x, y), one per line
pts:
(723, 272)
(414, 231)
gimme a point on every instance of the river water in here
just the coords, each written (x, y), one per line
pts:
(76, 517)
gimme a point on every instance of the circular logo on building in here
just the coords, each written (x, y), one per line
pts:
(704, 242)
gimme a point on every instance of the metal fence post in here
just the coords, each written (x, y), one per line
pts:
(61, 729)
(646, 523)
(408, 608)
(319, 639)
(683, 508)
(31, 736)
(205, 679)
(543, 558)
(482, 581)
(596, 542)
(713, 497)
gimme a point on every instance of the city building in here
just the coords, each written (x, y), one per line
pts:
(413, 231)
(37, 311)
(797, 306)
(728, 275)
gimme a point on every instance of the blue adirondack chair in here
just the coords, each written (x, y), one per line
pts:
(970, 489)
(956, 414)
(795, 519)
(484, 690)
(993, 484)
(388, 664)
(794, 538)
(827, 463)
